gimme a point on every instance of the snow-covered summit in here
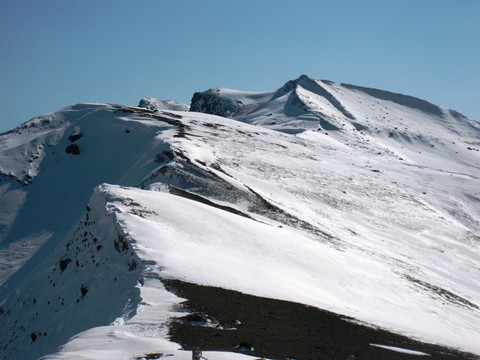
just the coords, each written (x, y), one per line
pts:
(305, 103)
(368, 119)
(357, 201)
(157, 105)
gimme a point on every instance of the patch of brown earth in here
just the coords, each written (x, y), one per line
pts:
(232, 321)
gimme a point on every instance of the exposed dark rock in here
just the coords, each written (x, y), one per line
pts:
(188, 195)
(151, 356)
(214, 102)
(244, 346)
(445, 294)
(121, 245)
(173, 120)
(159, 158)
(84, 290)
(72, 149)
(132, 265)
(64, 263)
(195, 319)
(210, 102)
(75, 137)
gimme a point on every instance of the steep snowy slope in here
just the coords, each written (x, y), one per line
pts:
(379, 123)
(417, 261)
(44, 217)
(348, 208)
(55, 161)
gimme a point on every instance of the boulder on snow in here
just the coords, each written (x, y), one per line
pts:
(72, 149)
(75, 137)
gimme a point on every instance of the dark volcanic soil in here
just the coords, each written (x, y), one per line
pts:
(283, 330)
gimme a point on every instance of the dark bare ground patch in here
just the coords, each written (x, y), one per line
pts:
(280, 330)
(151, 356)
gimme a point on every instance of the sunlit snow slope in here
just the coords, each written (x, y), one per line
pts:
(354, 200)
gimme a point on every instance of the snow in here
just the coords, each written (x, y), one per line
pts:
(401, 350)
(355, 201)
(231, 252)
(246, 97)
(157, 105)
(143, 334)
(20, 156)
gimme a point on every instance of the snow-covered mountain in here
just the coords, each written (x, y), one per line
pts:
(357, 201)
(157, 105)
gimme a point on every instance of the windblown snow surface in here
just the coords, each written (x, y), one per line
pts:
(358, 201)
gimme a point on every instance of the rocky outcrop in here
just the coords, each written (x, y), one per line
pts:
(227, 103)
(212, 102)
(157, 105)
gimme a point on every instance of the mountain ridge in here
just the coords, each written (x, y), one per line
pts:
(313, 86)
(326, 170)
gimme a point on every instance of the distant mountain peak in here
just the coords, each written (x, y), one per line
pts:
(291, 84)
(305, 103)
(154, 104)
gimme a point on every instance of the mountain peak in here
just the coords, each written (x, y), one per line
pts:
(157, 105)
(302, 80)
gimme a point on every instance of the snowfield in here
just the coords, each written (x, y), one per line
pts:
(353, 200)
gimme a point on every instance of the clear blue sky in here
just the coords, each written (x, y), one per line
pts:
(56, 53)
